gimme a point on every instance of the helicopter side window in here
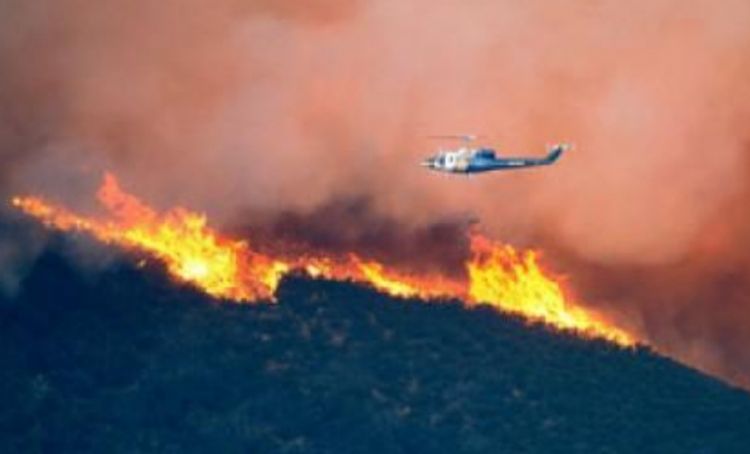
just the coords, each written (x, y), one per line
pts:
(486, 153)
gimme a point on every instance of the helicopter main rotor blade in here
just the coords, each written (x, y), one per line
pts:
(464, 137)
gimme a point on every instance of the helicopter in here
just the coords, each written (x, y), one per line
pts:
(469, 160)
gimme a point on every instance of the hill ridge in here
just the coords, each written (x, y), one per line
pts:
(124, 360)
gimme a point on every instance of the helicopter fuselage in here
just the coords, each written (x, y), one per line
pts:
(477, 160)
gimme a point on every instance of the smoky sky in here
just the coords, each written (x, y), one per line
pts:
(288, 108)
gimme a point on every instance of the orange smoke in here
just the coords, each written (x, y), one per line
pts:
(498, 275)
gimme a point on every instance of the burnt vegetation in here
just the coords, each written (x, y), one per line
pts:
(123, 360)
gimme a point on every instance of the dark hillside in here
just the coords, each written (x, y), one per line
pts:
(124, 361)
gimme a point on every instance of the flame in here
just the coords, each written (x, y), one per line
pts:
(513, 281)
(193, 252)
(181, 239)
(408, 285)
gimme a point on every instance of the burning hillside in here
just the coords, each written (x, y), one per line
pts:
(127, 363)
(497, 274)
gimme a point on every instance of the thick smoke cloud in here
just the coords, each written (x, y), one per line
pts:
(352, 224)
(284, 107)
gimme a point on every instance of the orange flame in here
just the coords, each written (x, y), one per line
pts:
(498, 275)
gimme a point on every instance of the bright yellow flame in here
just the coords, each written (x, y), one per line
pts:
(498, 275)
(181, 239)
(513, 281)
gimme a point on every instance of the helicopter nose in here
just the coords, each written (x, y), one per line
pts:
(428, 163)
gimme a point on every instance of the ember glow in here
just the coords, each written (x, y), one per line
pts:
(498, 274)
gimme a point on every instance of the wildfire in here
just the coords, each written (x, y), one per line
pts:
(498, 275)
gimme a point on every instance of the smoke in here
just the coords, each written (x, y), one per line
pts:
(295, 109)
(695, 308)
(352, 224)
